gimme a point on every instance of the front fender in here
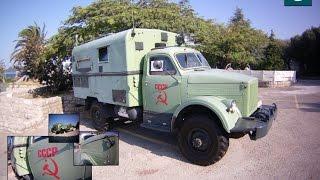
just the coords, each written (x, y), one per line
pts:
(216, 105)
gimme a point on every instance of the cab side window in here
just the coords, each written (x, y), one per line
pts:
(38, 138)
(88, 136)
(161, 65)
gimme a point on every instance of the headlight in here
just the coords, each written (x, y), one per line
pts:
(232, 106)
(259, 103)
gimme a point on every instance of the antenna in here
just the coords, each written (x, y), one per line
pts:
(77, 42)
(133, 25)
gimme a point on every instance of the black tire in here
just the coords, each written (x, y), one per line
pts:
(98, 115)
(202, 141)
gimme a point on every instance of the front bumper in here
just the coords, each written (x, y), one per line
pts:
(258, 124)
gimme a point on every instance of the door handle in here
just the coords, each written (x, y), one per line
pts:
(146, 83)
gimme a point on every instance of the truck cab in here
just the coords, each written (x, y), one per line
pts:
(171, 88)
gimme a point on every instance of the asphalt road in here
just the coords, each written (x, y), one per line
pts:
(291, 150)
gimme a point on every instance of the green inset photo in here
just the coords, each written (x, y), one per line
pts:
(63, 128)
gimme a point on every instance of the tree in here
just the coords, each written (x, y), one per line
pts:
(241, 44)
(238, 18)
(273, 59)
(304, 49)
(27, 55)
(55, 76)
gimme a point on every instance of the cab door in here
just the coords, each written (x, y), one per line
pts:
(161, 92)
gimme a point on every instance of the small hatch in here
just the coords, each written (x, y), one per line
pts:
(164, 36)
(139, 46)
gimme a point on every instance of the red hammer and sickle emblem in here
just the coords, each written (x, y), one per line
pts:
(46, 169)
(162, 98)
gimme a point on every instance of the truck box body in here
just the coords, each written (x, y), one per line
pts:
(110, 68)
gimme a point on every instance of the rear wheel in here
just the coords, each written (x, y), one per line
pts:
(202, 141)
(99, 116)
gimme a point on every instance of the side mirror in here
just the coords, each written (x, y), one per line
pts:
(157, 65)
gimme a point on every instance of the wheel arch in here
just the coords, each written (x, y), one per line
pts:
(212, 105)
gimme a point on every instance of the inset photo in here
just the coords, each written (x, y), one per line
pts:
(97, 149)
(63, 128)
(33, 157)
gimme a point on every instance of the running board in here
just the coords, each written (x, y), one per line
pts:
(161, 128)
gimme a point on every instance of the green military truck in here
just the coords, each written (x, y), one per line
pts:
(146, 74)
(62, 128)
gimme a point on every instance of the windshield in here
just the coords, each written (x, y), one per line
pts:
(202, 59)
(190, 60)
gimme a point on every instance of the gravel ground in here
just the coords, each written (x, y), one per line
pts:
(291, 150)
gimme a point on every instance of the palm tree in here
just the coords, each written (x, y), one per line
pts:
(28, 52)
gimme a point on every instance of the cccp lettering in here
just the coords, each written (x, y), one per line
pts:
(48, 152)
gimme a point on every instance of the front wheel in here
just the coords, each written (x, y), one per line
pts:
(202, 141)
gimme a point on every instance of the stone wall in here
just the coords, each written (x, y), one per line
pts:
(19, 114)
(69, 104)
(276, 84)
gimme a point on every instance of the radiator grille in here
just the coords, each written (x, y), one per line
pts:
(252, 96)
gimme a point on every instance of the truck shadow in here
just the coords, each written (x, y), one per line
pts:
(158, 143)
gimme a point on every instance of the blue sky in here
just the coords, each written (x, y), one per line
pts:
(63, 118)
(264, 14)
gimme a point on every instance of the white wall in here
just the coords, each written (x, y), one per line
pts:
(270, 76)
